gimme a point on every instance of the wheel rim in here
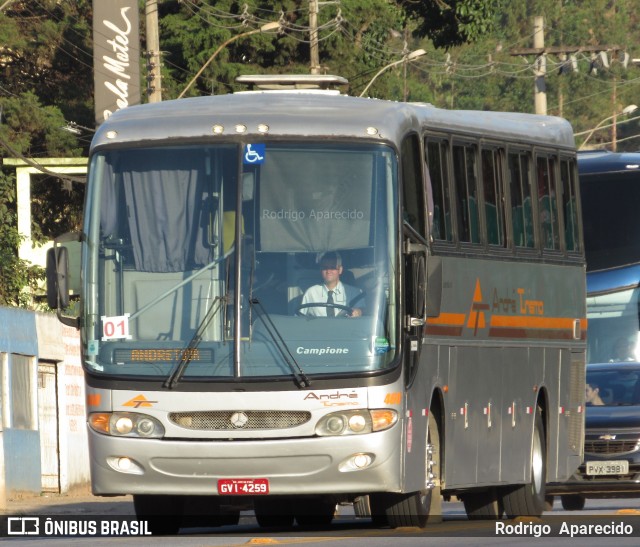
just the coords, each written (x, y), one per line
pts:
(431, 459)
(537, 463)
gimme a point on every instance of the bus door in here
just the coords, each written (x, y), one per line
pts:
(415, 307)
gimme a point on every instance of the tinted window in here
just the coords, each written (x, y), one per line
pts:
(610, 219)
(521, 211)
(414, 205)
(464, 174)
(439, 174)
(548, 203)
(493, 196)
(569, 205)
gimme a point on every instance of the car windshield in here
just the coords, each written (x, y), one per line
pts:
(613, 386)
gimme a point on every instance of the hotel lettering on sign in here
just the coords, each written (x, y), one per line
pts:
(116, 53)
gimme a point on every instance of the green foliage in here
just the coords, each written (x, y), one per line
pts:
(15, 275)
(47, 71)
(453, 22)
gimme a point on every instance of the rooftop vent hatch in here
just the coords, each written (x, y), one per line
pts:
(292, 81)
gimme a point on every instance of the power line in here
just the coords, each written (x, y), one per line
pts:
(36, 165)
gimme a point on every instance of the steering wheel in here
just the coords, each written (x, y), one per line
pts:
(344, 310)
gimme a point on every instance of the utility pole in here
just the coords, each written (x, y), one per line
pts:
(540, 87)
(154, 84)
(313, 38)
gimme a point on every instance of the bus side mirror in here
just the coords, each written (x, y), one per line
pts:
(57, 277)
(63, 277)
(416, 285)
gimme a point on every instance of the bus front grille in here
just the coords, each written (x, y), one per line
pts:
(224, 420)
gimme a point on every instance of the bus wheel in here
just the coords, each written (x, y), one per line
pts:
(315, 512)
(163, 513)
(414, 508)
(361, 507)
(485, 505)
(572, 502)
(548, 503)
(529, 499)
(199, 511)
(272, 512)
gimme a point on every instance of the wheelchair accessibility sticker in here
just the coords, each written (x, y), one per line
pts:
(253, 154)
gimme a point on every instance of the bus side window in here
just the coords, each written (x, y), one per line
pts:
(547, 203)
(464, 174)
(414, 202)
(569, 205)
(493, 196)
(436, 152)
(521, 210)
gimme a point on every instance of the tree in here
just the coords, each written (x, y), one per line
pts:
(356, 37)
(15, 274)
(453, 22)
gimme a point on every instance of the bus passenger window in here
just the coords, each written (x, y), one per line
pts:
(521, 211)
(464, 172)
(439, 173)
(569, 207)
(547, 203)
(493, 197)
(414, 203)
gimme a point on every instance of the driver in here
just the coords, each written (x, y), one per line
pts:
(331, 291)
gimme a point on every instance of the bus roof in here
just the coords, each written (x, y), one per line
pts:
(593, 162)
(318, 114)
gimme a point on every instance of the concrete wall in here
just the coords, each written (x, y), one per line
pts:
(25, 339)
(60, 343)
(20, 453)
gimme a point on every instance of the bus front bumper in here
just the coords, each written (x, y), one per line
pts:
(319, 465)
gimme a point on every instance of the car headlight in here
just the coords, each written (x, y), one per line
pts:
(356, 422)
(126, 424)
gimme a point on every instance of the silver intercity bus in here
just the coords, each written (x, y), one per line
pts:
(449, 359)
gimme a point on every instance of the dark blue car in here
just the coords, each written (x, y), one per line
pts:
(611, 467)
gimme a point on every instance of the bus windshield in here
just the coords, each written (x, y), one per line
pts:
(611, 231)
(190, 248)
(613, 326)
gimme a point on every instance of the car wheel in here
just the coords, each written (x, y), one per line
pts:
(573, 502)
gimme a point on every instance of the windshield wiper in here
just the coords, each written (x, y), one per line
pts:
(301, 378)
(187, 354)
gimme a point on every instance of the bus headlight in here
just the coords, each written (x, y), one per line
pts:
(356, 422)
(126, 424)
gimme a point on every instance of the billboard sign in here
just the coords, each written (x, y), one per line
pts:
(116, 56)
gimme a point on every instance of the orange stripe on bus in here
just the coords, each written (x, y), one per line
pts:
(524, 321)
(456, 319)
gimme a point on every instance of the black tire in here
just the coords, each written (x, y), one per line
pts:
(362, 507)
(162, 513)
(485, 505)
(398, 510)
(572, 502)
(548, 503)
(413, 508)
(315, 512)
(272, 512)
(528, 500)
(206, 511)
